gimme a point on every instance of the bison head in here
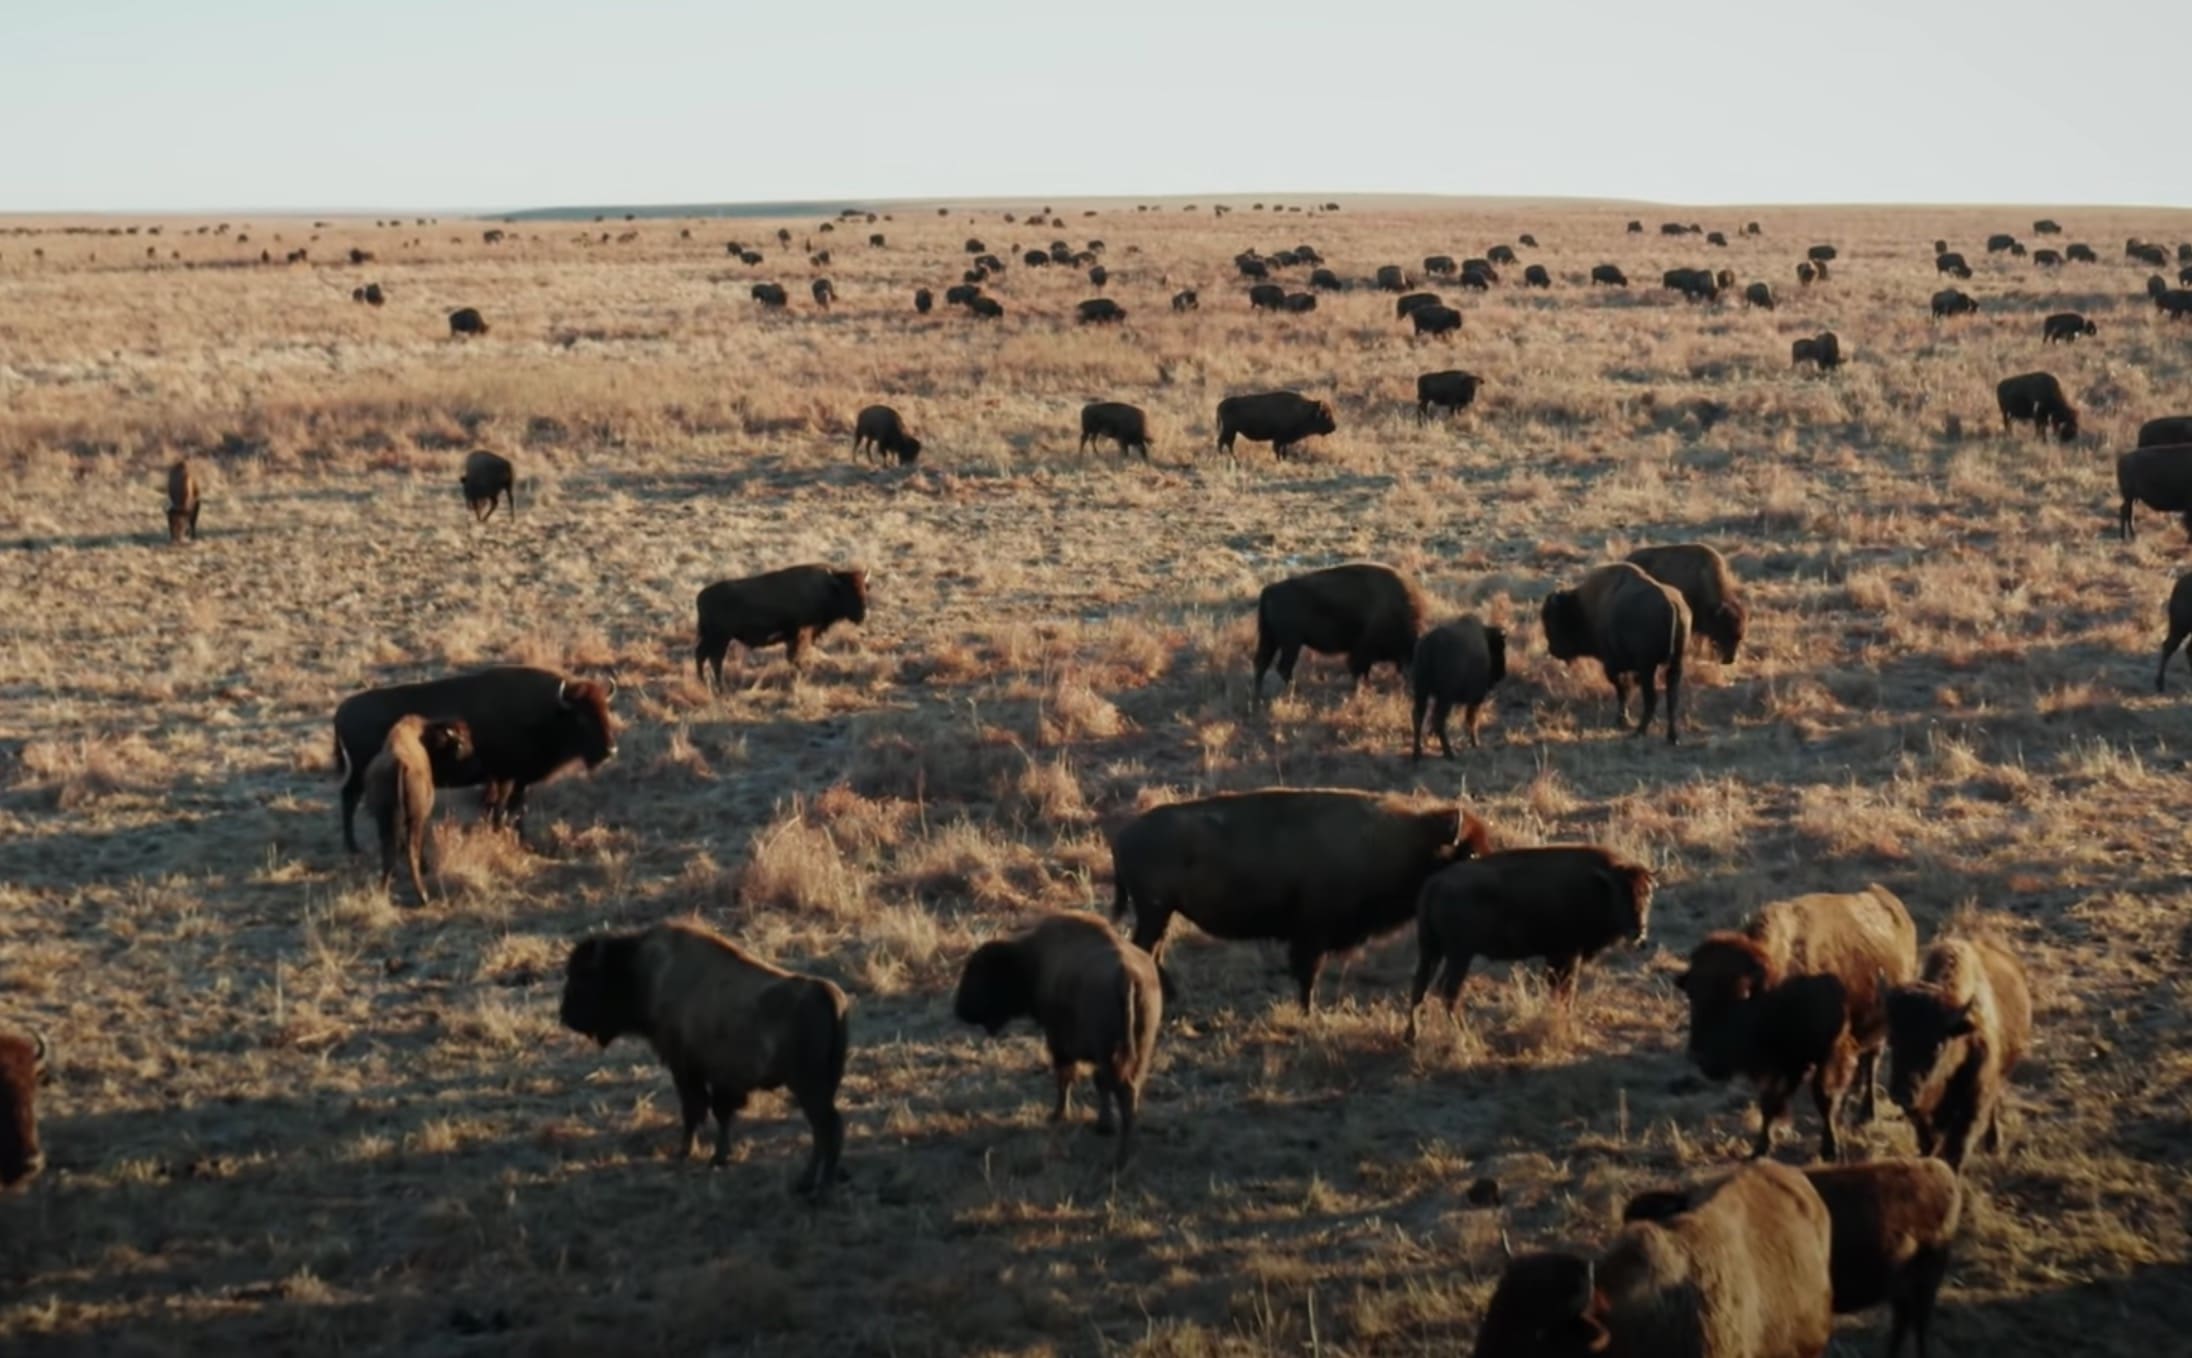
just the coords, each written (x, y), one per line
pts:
(1567, 627)
(2066, 424)
(1656, 1204)
(22, 1065)
(1724, 625)
(995, 987)
(1728, 976)
(1546, 1306)
(1320, 419)
(448, 744)
(1927, 1034)
(591, 730)
(852, 586)
(601, 989)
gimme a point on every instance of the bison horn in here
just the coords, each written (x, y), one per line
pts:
(612, 689)
(1506, 1246)
(563, 698)
(41, 1051)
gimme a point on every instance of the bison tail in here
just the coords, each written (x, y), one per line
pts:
(342, 756)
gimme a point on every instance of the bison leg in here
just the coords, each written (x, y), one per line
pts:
(1128, 1096)
(1868, 1075)
(1440, 711)
(726, 1102)
(2169, 649)
(1288, 656)
(1450, 985)
(1621, 697)
(1829, 1082)
(2124, 528)
(1674, 700)
(1265, 650)
(827, 1126)
(1428, 958)
(692, 1101)
(1913, 1309)
(194, 523)
(1062, 1072)
(1422, 701)
(1991, 1140)
(1305, 960)
(1648, 682)
(1107, 1095)
(1773, 1105)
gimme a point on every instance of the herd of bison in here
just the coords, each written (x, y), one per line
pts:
(1816, 990)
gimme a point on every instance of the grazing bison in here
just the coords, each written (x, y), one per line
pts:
(1823, 349)
(2066, 326)
(1701, 575)
(1805, 273)
(1716, 238)
(1893, 1225)
(2175, 303)
(1099, 311)
(1565, 903)
(2159, 477)
(1097, 998)
(1299, 303)
(463, 321)
(923, 300)
(2180, 627)
(399, 789)
(1324, 280)
(1743, 1274)
(1535, 276)
(1636, 228)
(962, 294)
(1325, 870)
(2166, 429)
(1435, 320)
(1392, 278)
(1820, 254)
(2046, 227)
(2038, 398)
(23, 1061)
(1413, 300)
(2000, 242)
(1452, 389)
(824, 294)
(1366, 611)
(1457, 662)
(879, 433)
(1954, 1035)
(1951, 263)
(1185, 301)
(526, 724)
(1280, 418)
(1632, 625)
(1759, 295)
(182, 501)
(1951, 302)
(725, 1023)
(987, 308)
(1440, 266)
(1802, 988)
(1696, 285)
(1098, 276)
(791, 606)
(771, 295)
(1252, 267)
(1266, 297)
(372, 295)
(487, 478)
(1036, 259)
(1527, 240)
(1478, 276)
(2150, 254)
(2047, 259)
(2080, 254)
(750, 257)
(1123, 424)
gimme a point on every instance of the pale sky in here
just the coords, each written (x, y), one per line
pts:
(487, 104)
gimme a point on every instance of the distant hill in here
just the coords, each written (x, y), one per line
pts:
(643, 212)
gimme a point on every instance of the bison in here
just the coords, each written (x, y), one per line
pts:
(2037, 398)
(824, 293)
(1266, 297)
(1951, 302)
(725, 1023)
(1501, 254)
(182, 502)
(923, 300)
(1435, 320)
(2180, 627)
(399, 789)
(1706, 584)
(1184, 301)
(2165, 429)
(791, 606)
(1949, 262)
(1457, 662)
(462, 322)
(1440, 266)
(1805, 274)
(962, 294)
(1099, 311)
(1823, 350)
(1801, 988)
(1409, 303)
(1758, 295)
(1743, 1274)
(1696, 285)
(771, 295)
(2047, 259)
(1954, 1035)
(2066, 326)
(1632, 625)
(2158, 476)
(1123, 424)
(526, 724)
(1324, 870)
(879, 433)
(1298, 303)
(1280, 418)
(1610, 275)
(985, 308)
(1453, 389)
(1367, 611)
(1535, 277)
(1097, 998)
(1324, 280)
(2080, 253)
(487, 479)
(1565, 903)
(1392, 278)
(24, 1058)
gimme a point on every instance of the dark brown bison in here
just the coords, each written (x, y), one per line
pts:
(2080, 253)
(1185, 301)
(463, 321)
(1452, 389)
(1097, 998)
(2166, 429)
(824, 293)
(1324, 280)
(1280, 418)
(2175, 303)
(526, 724)
(771, 295)
(1440, 266)
(986, 308)
(2037, 398)
(1123, 424)
(961, 294)
(2047, 259)
(879, 433)
(791, 606)
(1298, 303)
(1799, 990)
(1758, 295)
(182, 501)
(1457, 662)
(1099, 311)
(2001, 242)
(1565, 903)
(923, 300)
(1954, 1035)
(487, 478)
(1951, 302)
(1823, 349)
(1267, 297)
(2150, 254)
(1325, 870)
(1435, 320)
(2180, 627)
(1632, 625)
(1478, 275)
(1743, 1274)
(1805, 274)
(1392, 278)
(1636, 228)
(23, 1061)
(2066, 326)
(2046, 227)
(1716, 238)
(372, 295)
(1696, 285)
(1409, 303)
(725, 1023)
(1527, 240)
(1536, 277)
(1610, 275)
(1363, 610)
(1894, 1224)
(399, 790)
(1949, 262)
(1036, 259)
(1701, 574)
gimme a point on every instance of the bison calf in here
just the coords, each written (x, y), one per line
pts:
(399, 789)
(1953, 1037)
(1363, 610)
(488, 477)
(23, 1061)
(725, 1023)
(182, 502)
(1458, 662)
(1097, 998)
(1565, 903)
(792, 606)
(1632, 625)
(880, 433)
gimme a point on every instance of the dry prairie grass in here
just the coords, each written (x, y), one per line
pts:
(289, 1115)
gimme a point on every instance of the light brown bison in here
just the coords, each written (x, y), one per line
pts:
(1097, 998)
(1800, 990)
(1323, 869)
(399, 789)
(1457, 662)
(182, 502)
(2180, 627)
(1565, 903)
(1954, 1035)
(2159, 477)
(488, 477)
(23, 1060)
(1701, 574)
(1632, 625)
(1894, 1223)
(792, 606)
(1363, 610)
(725, 1023)
(1743, 1274)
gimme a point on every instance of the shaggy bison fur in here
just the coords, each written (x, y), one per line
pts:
(2065, 327)
(1632, 625)
(182, 502)
(1954, 1035)
(23, 1060)
(1279, 418)
(1706, 584)
(791, 606)
(1123, 424)
(2036, 398)
(1363, 610)
(487, 478)
(880, 433)
(1457, 662)
(399, 789)
(2158, 477)
(1452, 389)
